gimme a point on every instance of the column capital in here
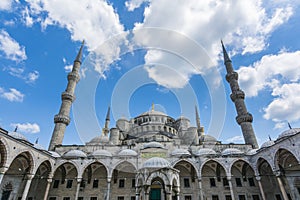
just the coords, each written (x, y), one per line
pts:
(258, 178)
(3, 170)
(108, 179)
(79, 179)
(29, 176)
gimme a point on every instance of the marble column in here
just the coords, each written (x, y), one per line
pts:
(262, 192)
(78, 187)
(200, 189)
(294, 192)
(137, 193)
(27, 186)
(108, 188)
(146, 196)
(49, 181)
(2, 172)
(230, 187)
(281, 187)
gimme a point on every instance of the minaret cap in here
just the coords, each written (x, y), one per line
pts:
(225, 54)
(79, 55)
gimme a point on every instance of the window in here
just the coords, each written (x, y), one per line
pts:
(242, 197)
(228, 197)
(132, 198)
(251, 182)
(52, 198)
(93, 198)
(238, 182)
(188, 197)
(133, 183)
(121, 198)
(80, 198)
(121, 183)
(55, 183)
(255, 197)
(278, 197)
(215, 197)
(186, 182)
(66, 198)
(82, 184)
(225, 182)
(95, 183)
(69, 183)
(212, 182)
(29, 198)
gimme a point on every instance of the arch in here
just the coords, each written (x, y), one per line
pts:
(260, 159)
(211, 160)
(25, 160)
(3, 152)
(93, 162)
(159, 174)
(186, 160)
(284, 159)
(121, 162)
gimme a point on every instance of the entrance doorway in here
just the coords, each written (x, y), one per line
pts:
(155, 192)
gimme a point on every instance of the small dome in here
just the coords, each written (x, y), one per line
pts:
(231, 151)
(153, 145)
(180, 152)
(205, 151)
(101, 153)
(18, 136)
(207, 139)
(251, 152)
(267, 144)
(54, 154)
(289, 132)
(127, 152)
(74, 154)
(156, 162)
(99, 139)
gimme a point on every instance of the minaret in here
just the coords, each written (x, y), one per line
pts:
(105, 130)
(244, 118)
(62, 119)
(200, 129)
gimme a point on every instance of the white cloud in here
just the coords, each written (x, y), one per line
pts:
(235, 139)
(5, 4)
(244, 24)
(30, 77)
(27, 127)
(68, 68)
(11, 48)
(133, 4)
(281, 75)
(12, 95)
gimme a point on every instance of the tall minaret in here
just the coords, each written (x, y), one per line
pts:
(105, 130)
(244, 118)
(200, 129)
(62, 119)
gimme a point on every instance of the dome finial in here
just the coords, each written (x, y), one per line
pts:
(289, 125)
(152, 108)
(16, 129)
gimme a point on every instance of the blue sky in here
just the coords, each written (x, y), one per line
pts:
(140, 52)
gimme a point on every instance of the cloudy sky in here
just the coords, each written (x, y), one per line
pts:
(139, 52)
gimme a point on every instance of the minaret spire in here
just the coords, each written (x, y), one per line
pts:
(105, 130)
(200, 129)
(244, 118)
(62, 119)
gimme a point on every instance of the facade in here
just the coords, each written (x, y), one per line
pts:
(151, 157)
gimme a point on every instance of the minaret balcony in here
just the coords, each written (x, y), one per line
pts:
(73, 76)
(67, 96)
(239, 94)
(62, 119)
(232, 76)
(244, 118)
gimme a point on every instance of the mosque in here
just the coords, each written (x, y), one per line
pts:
(151, 157)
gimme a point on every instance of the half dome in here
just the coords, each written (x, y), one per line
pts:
(54, 154)
(267, 144)
(153, 145)
(289, 132)
(156, 162)
(18, 136)
(251, 152)
(207, 139)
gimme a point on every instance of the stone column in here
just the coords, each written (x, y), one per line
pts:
(230, 187)
(200, 189)
(258, 178)
(49, 181)
(294, 192)
(2, 172)
(137, 193)
(78, 187)
(177, 192)
(281, 187)
(27, 186)
(146, 196)
(108, 188)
